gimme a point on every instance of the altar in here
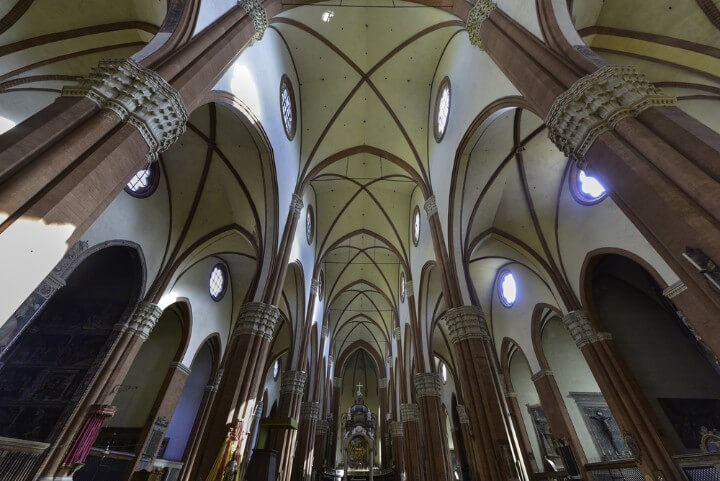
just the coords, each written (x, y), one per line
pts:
(358, 443)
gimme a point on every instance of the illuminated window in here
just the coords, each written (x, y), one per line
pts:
(443, 372)
(416, 226)
(585, 188)
(507, 288)
(442, 109)
(402, 287)
(309, 224)
(287, 107)
(327, 15)
(144, 182)
(217, 285)
(276, 369)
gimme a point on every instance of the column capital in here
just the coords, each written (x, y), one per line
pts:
(409, 413)
(428, 384)
(310, 411)
(216, 382)
(314, 287)
(430, 206)
(541, 374)
(409, 290)
(296, 204)
(583, 333)
(256, 12)
(180, 367)
(478, 14)
(331, 358)
(596, 103)
(466, 322)
(383, 383)
(140, 97)
(337, 382)
(292, 382)
(674, 289)
(396, 430)
(463, 414)
(143, 320)
(258, 319)
(322, 426)
(396, 332)
(324, 329)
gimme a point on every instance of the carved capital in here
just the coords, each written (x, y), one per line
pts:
(143, 320)
(296, 204)
(322, 427)
(337, 382)
(478, 14)
(258, 319)
(674, 289)
(383, 383)
(541, 374)
(396, 332)
(409, 413)
(293, 382)
(180, 367)
(428, 384)
(324, 330)
(255, 10)
(409, 291)
(430, 206)
(596, 103)
(396, 430)
(581, 330)
(462, 414)
(331, 358)
(140, 97)
(314, 287)
(466, 322)
(310, 411)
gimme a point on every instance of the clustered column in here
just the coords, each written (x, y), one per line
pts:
(410, 418)
(304, 452)
(322, 427)
(224, 438)
(292, 385)
(628, 406)
(397, 437)
(428, 388)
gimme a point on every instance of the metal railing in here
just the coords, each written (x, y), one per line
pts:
(616, 470)
(700, 467)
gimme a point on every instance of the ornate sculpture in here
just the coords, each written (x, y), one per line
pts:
(478, 14)
(466, 322)
(258, 319)
(596, 103)
(255, 10)
(140, 97)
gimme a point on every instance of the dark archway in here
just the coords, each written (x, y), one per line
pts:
(47, 368)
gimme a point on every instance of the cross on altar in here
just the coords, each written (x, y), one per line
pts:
(359, 386)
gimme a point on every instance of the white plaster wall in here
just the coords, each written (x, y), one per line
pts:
(526, 395)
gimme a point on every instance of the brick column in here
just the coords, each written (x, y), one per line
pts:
(292, 385)
(628, 405)
(428, 388)
(320, 451)
(235, 401)
(397, 437)
(492, 458)
(410, 417)
(194, 446)
(304, 453)
(132, 334)
(466, 436)
(658, 163)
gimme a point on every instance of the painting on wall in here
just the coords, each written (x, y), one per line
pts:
(689, 416)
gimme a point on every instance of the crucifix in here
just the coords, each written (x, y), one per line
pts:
(359, 386)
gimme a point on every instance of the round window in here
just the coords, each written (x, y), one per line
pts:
(416, 226)
(144, 182)
(507, 288)
(217, 285)
(585, 188)
(309, 224)
(287, 107)
(442, 109)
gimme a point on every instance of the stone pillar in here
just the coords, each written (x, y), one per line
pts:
(658, 163)
(252, 432)
(194, 445)
(397, 437)
(531, 462)
(303, 457)
(428, 388)
(319, 452)
(492, 458)
(466, 436)
(382, 428)
(132, 334)
(627, 403)
(235, 401)
(558, 418)
(410, 417)
(159, 417)
(292, 385)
